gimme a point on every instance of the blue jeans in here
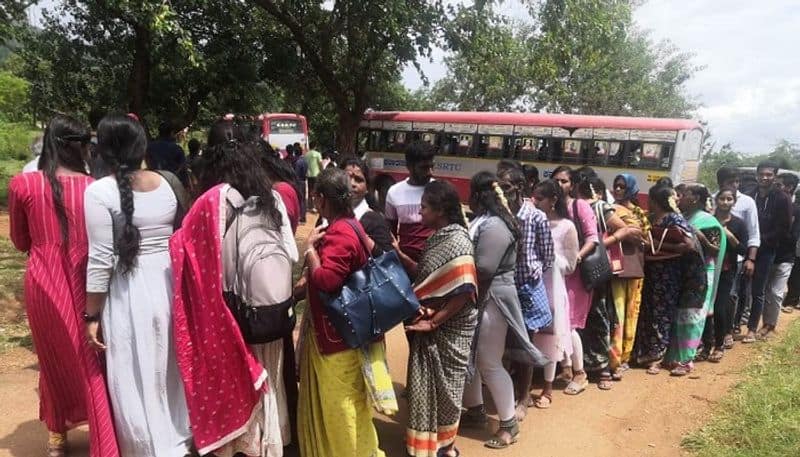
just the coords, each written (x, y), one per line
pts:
(764, 261)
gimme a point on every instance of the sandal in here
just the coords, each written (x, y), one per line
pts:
(511, 427)
(57, 445)
(654, 369)
(575, 387)
(474, 417)
(701, 356)
(544, 401)
(750, 338)
(616, 375)
(787, 309)
(728, 342)
(623, 368)
(605, 382)
(682, 369)
(716, 356)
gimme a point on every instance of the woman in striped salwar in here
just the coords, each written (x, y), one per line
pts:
(46, 212)
(446, 285)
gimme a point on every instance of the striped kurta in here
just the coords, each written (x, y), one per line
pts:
(72, 388)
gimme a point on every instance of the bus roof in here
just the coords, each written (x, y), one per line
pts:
(282, 116)
(535, 119)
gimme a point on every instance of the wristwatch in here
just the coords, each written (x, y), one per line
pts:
(89, 318)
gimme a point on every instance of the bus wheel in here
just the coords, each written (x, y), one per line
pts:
(382, 185)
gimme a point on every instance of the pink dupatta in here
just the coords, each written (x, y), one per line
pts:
(223, 381)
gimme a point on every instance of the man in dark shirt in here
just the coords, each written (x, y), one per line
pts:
(165, 154)
(774, 220)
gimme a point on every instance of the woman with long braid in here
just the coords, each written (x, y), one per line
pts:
(129, 218)
(496, 236)
(46, 212)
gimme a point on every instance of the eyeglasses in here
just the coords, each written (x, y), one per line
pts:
(620, 186)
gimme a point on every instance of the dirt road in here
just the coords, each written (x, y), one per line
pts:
(642, 416)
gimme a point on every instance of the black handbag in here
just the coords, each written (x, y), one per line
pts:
(595, 267)
(373, 300)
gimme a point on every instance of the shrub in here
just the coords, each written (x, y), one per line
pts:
(15, 141)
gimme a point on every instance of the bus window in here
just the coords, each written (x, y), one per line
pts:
(525, 148)
(493, 146)
(377, 140)
(397, 141)
(363, 141)
(633, 157)
(666, 156)
(459, 143)
(571, 148)
(604, 152)
(650, 155)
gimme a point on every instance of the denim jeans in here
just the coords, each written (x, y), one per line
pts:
(764, 261)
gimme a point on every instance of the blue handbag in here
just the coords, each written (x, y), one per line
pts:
(373, 299)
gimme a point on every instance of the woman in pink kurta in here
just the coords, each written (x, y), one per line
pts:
(46, 212)
(580, 299)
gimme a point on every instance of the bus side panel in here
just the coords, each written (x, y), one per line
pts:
(459, 171)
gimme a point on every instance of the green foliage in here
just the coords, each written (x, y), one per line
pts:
(350, 48)
(575, 56)
(13, 97)
(761, 415)
(711, 161)
(15, 141)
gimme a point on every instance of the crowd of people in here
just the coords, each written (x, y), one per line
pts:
(134, 273)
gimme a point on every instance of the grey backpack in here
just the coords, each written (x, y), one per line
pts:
(258, 272)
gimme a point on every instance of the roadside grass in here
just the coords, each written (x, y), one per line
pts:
(14, 330)
(761, 415)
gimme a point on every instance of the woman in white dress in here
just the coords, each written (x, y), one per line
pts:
(129, 220)
(556, 342)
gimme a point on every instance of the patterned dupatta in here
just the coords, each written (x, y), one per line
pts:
(447, 266)
(224, 383)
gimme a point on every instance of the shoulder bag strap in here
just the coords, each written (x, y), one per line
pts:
(578, 224)
(180, 195)
(360, 234)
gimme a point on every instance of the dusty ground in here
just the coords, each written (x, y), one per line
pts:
(642, 416)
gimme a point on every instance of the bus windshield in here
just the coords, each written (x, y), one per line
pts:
(285, 126)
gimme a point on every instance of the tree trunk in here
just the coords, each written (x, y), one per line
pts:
(139, 79)
(347, 134)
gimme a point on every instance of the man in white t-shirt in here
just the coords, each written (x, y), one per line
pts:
(403, 201)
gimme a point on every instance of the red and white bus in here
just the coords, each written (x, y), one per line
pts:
(281, 129)
(469, 142)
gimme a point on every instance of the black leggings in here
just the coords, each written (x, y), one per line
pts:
(721, 323)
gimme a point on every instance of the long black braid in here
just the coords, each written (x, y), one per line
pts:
(121, 142)
(63, 145)
(486, 195)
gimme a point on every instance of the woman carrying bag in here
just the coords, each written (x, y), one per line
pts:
(337, 384)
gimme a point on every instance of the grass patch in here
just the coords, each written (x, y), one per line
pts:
(761, 416)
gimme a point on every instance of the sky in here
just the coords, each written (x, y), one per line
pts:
(749, 90)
